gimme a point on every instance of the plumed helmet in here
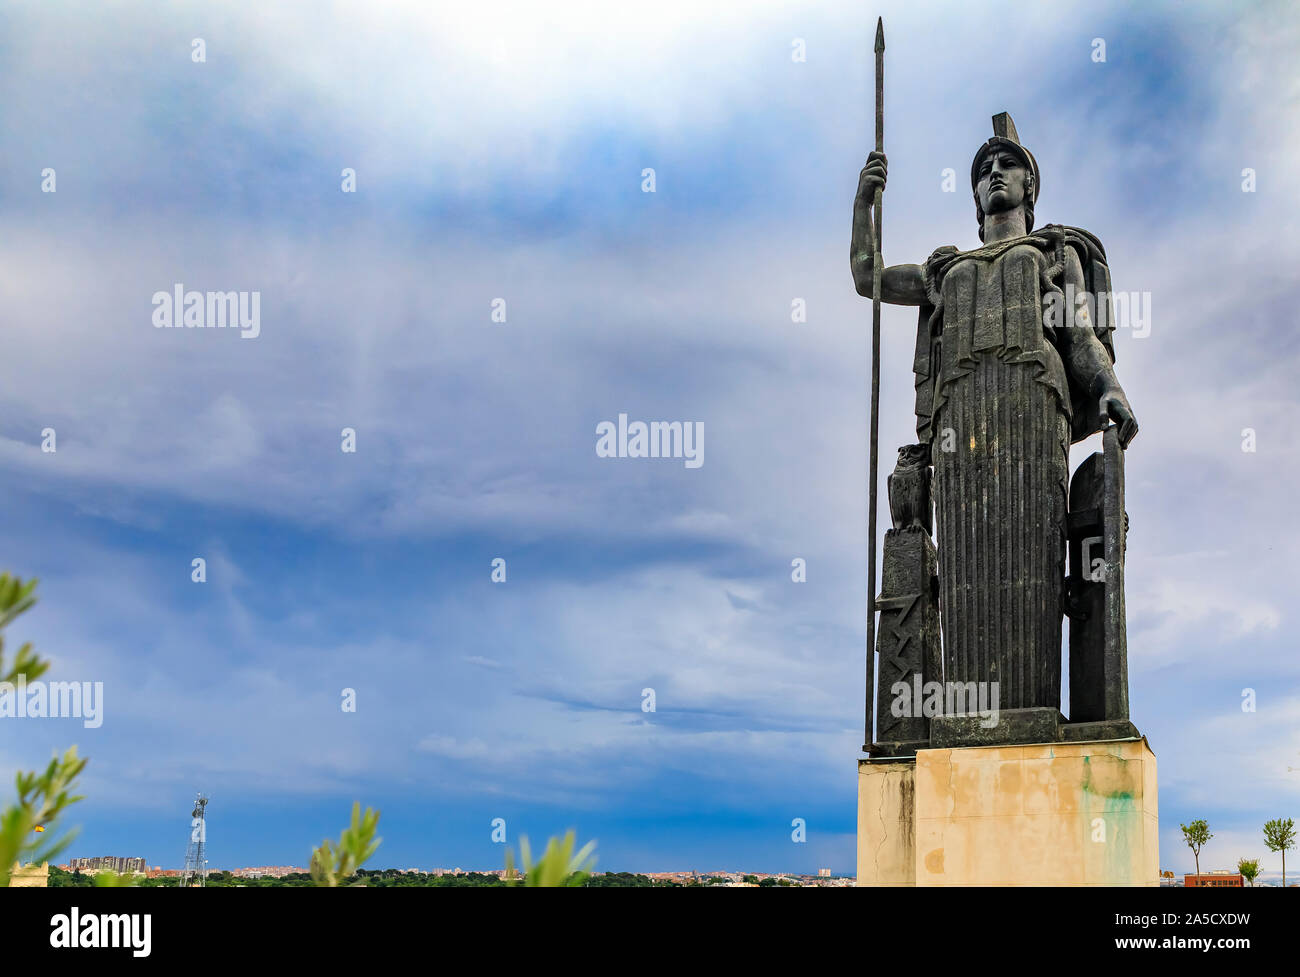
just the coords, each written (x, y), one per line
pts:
(1005, 137)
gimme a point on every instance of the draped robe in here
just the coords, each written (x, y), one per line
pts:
(996, 405)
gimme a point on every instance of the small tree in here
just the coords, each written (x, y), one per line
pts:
(41, 797)
(559, 865)
(1279, 835)
(1249, 869)
(1196, 835)
(333, 864)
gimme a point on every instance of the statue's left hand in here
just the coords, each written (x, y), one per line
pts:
(1115, 406)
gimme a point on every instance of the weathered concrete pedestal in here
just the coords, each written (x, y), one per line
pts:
(1050, 814)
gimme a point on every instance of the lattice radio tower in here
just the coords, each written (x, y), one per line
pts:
(196, 862)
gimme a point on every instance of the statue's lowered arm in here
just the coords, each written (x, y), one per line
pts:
(1087, 360)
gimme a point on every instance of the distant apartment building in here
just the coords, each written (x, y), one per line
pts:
(823, 873)
(267, 871)
(108, 863)
(1219, 878)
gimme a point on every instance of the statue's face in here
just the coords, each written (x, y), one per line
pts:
(1002, 182)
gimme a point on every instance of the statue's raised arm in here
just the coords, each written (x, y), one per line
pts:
(899, 284)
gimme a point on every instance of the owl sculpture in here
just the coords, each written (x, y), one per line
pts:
(909, 489)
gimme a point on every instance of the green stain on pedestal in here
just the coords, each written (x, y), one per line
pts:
(1120, 814)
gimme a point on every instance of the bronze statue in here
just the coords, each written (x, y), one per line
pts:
(1013, 363)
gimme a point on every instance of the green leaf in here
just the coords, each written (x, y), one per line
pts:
(333, 864)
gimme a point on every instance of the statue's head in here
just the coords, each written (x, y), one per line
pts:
(1004, 174)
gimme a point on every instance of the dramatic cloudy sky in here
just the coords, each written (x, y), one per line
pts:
(499, 150)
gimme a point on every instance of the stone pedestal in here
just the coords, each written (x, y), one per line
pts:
(886, 822)
(1051, 814)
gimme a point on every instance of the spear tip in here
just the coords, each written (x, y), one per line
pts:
(880, 34)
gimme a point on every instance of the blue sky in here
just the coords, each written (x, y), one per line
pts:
(498, 152)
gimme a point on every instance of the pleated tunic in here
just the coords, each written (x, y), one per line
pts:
(1001, 455)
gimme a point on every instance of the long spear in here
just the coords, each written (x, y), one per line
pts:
(875, 391)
